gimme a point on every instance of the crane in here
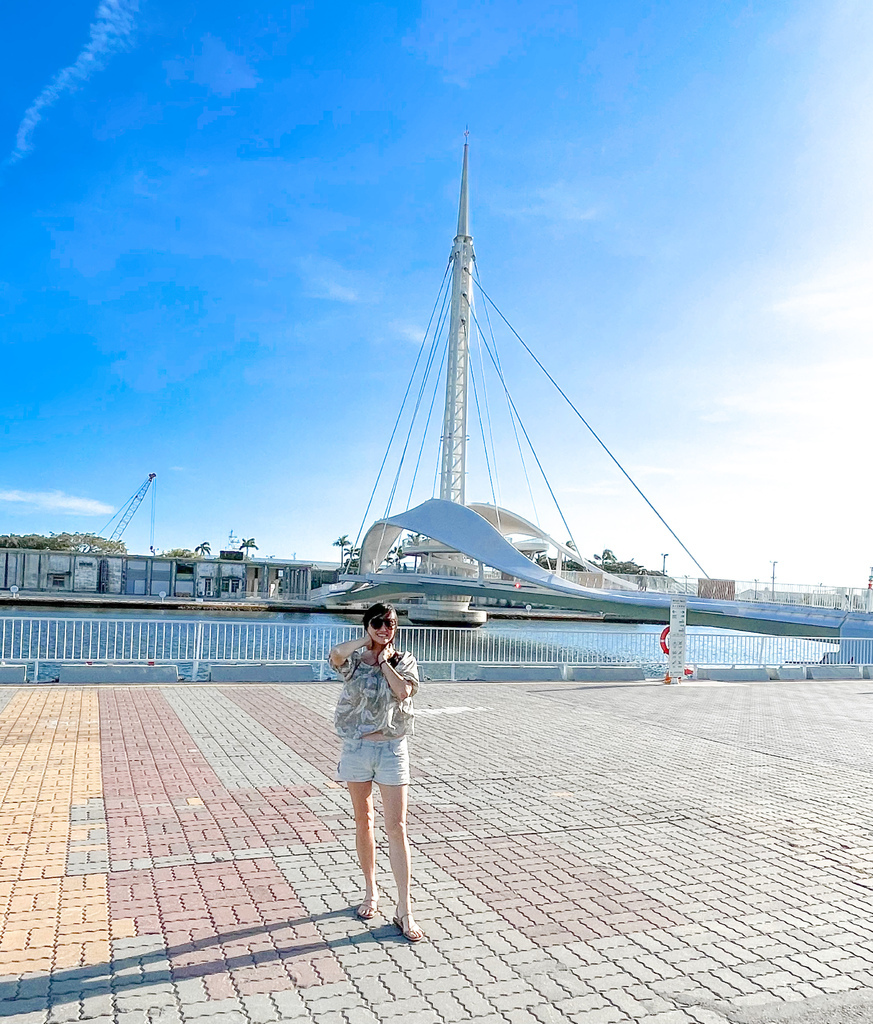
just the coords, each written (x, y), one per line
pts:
(128, 509)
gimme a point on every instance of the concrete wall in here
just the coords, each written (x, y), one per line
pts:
(86, 573)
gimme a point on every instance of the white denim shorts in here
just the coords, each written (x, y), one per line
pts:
(382, 761)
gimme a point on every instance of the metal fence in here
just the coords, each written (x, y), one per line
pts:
(190, 642)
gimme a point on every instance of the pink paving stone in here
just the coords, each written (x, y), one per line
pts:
(508, 875)
(305, 732)
(219, 986)
(217, 918)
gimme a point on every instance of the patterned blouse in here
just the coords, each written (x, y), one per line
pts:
(367, 703)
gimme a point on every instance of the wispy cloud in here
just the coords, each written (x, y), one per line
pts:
(466, 37)
(326, 279)
(112, 25)
(409, 331)
(561, 202)
(597, 488)
(56, 501)
(836, 301)
(219, 68)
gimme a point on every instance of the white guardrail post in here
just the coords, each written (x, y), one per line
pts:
(678, 639)
(198, 651)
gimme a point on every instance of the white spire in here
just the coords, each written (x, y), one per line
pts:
(464, 205)
(454, 440)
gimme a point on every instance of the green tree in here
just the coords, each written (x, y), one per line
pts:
(203, 549)
(354, 560)
(178, 553)
(342, 543)
(248, 545)
(81, 543)
(608, 562)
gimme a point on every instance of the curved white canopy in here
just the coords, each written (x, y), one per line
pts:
(466, 531)
(506, 522)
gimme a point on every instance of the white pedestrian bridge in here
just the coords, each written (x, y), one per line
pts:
(468, 532)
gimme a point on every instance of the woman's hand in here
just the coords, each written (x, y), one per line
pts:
(339, 654)
(399, 686)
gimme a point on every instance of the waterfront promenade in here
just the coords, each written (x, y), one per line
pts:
(583, 853)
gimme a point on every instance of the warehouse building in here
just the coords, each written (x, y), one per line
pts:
(229, 577)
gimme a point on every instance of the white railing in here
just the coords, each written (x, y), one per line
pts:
(51, 641)
(857, 599)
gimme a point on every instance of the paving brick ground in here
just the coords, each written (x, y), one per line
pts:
(589, 854)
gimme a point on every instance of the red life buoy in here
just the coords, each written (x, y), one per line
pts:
(664, 634)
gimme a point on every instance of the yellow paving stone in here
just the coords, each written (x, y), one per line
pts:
(96, 951)
(40, 937)
(122, 928)
(51, 744)
(14, 938)
(68, 955)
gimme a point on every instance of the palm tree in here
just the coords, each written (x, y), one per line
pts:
(607, 556)
(342, 543)
(203, 549)
(247, 544)
(354, 560)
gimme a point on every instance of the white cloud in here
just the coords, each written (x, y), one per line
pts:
(326, 279)
(110, 30)
(222, 70)
(56, 501)
(561, 202)
(217, 67)
(598, 488)
(652, 470)
(838, 300)
(411, 332)
(463, 38)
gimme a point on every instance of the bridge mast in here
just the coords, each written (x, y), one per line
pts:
(454, 439)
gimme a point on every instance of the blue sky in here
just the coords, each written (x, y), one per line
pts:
(226, 228)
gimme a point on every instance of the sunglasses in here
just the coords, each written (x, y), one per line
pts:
(379, 621)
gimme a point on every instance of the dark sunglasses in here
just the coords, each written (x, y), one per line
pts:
(378, 621)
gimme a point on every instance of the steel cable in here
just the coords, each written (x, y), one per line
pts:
(591, 430)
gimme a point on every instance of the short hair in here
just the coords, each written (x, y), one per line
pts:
(377, 610)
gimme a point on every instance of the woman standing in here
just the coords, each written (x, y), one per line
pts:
(374, 716)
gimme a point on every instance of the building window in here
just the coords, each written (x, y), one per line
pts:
(234, 586)
(207, 588)
(59, 579)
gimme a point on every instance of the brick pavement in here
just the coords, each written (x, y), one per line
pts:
(585, 854)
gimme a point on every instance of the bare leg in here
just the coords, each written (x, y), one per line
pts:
(394, 806)
(365, 840)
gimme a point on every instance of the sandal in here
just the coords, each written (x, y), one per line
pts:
(410, 934)
(368, 909)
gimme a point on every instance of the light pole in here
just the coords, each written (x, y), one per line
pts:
(663, 564)
(773, 580)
